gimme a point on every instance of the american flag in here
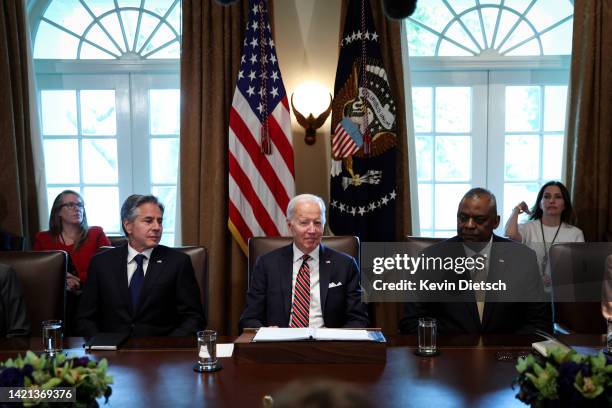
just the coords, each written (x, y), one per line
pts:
(261, 172)
(346, 140)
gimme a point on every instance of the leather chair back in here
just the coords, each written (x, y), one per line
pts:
(117, 240)
(262, 245)
(42, 275)
(577, 272)
(419, 244)
(199, 260)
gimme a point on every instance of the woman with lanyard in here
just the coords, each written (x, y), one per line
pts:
(550, 221)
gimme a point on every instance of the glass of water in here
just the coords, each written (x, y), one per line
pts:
(53, 336)
(427, 336)
(207, 352)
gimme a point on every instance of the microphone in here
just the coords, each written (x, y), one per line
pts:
(399, 9)
(226, 2)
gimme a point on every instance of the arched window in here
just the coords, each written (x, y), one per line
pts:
(107, 74)
(489, 94)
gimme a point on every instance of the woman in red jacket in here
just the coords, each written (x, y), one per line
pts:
(68, 231)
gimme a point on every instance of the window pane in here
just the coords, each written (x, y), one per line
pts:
(130, 21)
(448, 49)
(100, 38)
(167, 239)
(447, 201)
(100, 161)
(58, 112)
(433, 13)
(147, 25)
(167, 195)
(61, 161)
(420, 41)
(522, 157)
(453, 109)
(160, 7)
(90, 52)
(522, 108)
(69, 14)
(558, 41)
(111, 24)
(424, 154)
(459, 35)
(98, 116)
(164, 160)
(48, 37)
(425, 206)
(555, 101)
(170, 51)
(100, 7)
(514, 193)
(102, 205)
(553, 157)
(422, 108)
(453, 158)
(545, 13)
(161, 37)
(164, 111)
(522, 32)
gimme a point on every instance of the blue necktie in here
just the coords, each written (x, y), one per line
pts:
(137, 279)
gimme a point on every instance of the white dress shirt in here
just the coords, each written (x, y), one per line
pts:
(131, 262)
(316, 311)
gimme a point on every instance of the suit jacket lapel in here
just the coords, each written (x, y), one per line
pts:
(154, 269)
(325, 270)
(285, 271)
(471, 307)
(497, 268)
(119, 269)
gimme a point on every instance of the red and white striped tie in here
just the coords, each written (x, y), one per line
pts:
(300, 310)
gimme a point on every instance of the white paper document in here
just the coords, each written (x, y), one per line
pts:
(309, 333)
(225, 350)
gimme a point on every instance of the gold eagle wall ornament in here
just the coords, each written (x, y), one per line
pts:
(310, 123)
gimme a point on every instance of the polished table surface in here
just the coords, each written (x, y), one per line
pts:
(156, 372)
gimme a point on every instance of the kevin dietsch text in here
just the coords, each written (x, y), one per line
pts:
(429, 286)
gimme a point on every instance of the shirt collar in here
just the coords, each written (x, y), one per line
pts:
(132, 253)
(298, 254)
(484, 251)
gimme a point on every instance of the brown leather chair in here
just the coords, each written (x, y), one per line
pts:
(199, 260)
(42, 275)
(262, 245)
(419, 244)
(117, 240)
(577, 272)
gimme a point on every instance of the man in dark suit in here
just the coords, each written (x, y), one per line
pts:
(141, 288)
(519, 310)
(305, 284)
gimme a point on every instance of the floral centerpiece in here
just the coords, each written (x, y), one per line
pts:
(88, 377)
(565, 378)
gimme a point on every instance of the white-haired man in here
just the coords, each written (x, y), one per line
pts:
(305, 284)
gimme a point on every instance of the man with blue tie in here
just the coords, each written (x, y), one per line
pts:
(305, 284)
(141, 288)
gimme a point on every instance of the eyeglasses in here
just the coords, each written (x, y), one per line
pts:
(72, 206)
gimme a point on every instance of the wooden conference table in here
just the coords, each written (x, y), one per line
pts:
(470, 372)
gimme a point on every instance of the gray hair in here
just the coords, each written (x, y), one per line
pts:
(477, 192)
(302, 198)
(131, 204)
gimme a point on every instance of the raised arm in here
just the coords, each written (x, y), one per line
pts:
(512, 230)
